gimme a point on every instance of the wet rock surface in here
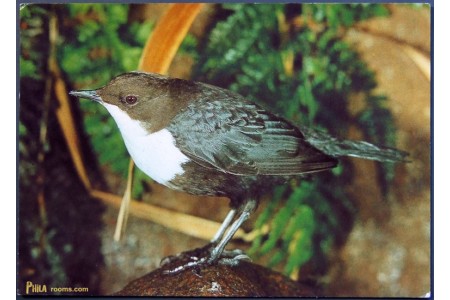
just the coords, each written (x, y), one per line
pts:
(245, 280)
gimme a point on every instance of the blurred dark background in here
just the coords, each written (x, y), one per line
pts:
(356, 70)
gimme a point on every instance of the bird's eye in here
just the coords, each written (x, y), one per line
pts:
(130, 99)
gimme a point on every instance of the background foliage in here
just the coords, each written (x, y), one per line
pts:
(293, 61)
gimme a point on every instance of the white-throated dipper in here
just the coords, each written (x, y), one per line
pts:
(205, 140)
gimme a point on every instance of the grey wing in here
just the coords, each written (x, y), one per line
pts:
(241, 138)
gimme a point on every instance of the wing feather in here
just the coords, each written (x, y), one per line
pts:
(238, 137)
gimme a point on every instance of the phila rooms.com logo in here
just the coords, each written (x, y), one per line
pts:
(32, 288)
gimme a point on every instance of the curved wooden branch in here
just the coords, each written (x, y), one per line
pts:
(166, 38)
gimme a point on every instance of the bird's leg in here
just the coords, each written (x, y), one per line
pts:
(220, 240)
(223, 228)
(217, 237)
(232, 257)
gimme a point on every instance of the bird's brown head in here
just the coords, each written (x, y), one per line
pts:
(150, 98)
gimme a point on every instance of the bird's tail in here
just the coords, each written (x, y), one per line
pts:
(335, 147)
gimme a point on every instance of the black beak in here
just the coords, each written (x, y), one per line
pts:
(91, 95)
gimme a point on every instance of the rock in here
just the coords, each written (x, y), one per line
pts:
(245, 280)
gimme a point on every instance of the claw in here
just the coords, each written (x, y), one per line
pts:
(227, 257)
(166, 260)
(191, 264)
(242, 257)
(232, 253)
(234, 261)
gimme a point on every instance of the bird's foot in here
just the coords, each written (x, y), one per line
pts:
(190, 255)
(232, 257)
(203, 257)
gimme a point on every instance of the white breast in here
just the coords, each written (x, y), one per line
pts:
(155, 154)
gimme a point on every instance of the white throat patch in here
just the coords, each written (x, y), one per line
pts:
(154, 153)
